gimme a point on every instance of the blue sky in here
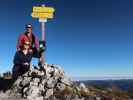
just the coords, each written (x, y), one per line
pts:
(89, 38)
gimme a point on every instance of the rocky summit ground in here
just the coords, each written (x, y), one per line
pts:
(50, 83)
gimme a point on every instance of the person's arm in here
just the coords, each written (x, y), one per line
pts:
(19, 43)
(16, 59)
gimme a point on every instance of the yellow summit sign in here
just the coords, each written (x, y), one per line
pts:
(43, 9)
(42, 15)
(42, 12)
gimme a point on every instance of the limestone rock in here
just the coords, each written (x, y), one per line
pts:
(43, 83)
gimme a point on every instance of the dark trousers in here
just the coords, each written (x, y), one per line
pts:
(36, 53)
(19, 70)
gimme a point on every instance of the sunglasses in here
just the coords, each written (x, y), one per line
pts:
(28, 27)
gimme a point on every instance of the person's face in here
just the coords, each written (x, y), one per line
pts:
(29, 29)
(26, 45)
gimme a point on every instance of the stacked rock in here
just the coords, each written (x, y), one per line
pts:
(41, 83)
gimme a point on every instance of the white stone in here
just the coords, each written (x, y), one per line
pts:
(51, 83)
(83, 87)
(33, 91)
(49, 93)
(25, 81)
(60, 86)
(66, 81)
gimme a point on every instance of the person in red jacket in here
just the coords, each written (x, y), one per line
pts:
(34, 43)
(35, 49)
(28, 36)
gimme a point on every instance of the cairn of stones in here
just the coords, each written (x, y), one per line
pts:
(48, 82)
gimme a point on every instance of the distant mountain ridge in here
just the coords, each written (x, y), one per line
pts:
(103, 78)
(123, 84)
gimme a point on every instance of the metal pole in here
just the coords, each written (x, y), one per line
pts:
(43, 30)
(43, 39)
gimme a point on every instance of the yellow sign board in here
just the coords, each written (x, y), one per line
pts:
(43, 9)
(42, 15)
(42, 12)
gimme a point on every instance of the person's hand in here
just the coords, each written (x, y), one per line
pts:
(38, 49)
(30, 50)
(26, 63)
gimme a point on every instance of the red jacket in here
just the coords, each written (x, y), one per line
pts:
(23, 38)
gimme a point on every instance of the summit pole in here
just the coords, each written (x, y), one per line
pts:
(43, 59)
